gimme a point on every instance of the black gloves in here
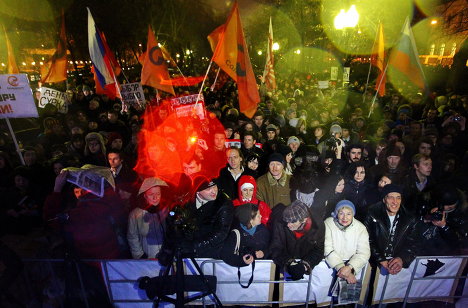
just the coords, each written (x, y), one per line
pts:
(296, 270)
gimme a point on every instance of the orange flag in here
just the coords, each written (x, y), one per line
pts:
(154, 67)
(12, 68)
(378, 60)
(55, 70)
(232, 56)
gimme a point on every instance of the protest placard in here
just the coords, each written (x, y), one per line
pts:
(54, 97)
(132, 93)
(16, 100)
(186, 106)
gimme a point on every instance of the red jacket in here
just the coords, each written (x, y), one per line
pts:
(264, 209)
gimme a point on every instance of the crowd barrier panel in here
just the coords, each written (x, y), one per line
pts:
(411, 285)
(121, 280)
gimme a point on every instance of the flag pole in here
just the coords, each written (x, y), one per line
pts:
(203, 83)
(15, 141)
(377, 91)
(370, 67)
(216, 79)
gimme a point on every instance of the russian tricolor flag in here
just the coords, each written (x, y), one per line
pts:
(105, 65)
(404, 57)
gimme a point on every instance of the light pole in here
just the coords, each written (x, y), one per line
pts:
(343, 21)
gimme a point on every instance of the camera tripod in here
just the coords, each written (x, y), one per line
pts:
(158, 288)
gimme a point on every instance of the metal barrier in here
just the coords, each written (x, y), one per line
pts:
(438, 281)
(120, 278)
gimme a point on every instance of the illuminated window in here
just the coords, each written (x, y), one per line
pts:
(431, 51)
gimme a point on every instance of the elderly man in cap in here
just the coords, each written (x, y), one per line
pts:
(273, 187)
(297, 245)
(392, 236)
(205, 221)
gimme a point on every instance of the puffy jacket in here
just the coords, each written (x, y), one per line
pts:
(378, 225)
(264, 209)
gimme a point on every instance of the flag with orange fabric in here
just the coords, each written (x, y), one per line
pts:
(232, 56)
(378, 60)
(12, 68)
(154, 66)
(55, 70)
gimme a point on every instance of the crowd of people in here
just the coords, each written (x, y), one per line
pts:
(317, 176)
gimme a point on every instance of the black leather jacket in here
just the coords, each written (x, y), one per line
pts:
(378, 225)
(212, 225)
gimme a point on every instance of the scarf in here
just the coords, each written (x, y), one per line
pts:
(250, 231)
(307, 227)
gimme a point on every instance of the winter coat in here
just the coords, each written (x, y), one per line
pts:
(356, 193)
(285, 247)
(351, 243)
(274, 191)
(249, 244)
(406, 240)
(264, 209)
(212, 222)
(145, 233)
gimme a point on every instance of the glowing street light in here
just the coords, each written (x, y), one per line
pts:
(276, 46)
(347, 19)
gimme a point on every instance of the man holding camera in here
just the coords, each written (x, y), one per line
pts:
(202, 225)
(446, 223)
(392, 232)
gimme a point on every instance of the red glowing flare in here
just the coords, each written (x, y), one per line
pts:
(166, 144)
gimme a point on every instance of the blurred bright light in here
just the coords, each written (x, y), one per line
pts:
(24, 63)
(347, 19)
(434, 22)
(3, 64)
(276, 46)
(33, 63)
(259, 52)
(177, 55)
(297, 51)
(41, 63)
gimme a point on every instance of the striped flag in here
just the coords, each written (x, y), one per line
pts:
(104, 64)
(269, 72)
(404, 58)
(378, 60)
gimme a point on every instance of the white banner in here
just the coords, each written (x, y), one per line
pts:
(186, 106)
(132, 93)
(346, 72)
(323, 84)
(334, 73)
(16, 100)
(54, 97)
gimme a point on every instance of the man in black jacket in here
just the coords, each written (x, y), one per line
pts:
(210, 213)
(392, 232)
(298, 235)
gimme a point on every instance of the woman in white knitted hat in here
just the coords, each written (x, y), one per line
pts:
(146, 223)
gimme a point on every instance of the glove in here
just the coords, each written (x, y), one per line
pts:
(296, 270)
